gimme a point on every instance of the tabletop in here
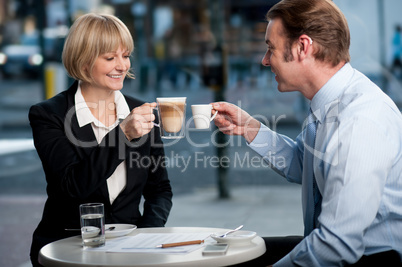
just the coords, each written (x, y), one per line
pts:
(69, 252)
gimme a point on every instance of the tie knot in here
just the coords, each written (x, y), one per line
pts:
(310, 131)
(311, 118)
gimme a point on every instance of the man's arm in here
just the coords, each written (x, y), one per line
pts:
(283, 154)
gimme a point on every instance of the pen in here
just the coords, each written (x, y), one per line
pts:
(185, 243)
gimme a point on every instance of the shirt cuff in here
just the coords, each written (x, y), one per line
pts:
(261, 143)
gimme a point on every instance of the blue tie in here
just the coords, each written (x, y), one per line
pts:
(312, 195)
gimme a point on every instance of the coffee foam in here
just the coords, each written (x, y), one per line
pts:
(171, 99)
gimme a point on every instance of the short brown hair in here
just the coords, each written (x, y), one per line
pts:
(322, 20)
(90, 36)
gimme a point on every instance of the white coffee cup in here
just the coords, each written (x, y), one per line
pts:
(202, 116)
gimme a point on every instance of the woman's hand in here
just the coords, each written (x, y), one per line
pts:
(139, 122)
(232, 120)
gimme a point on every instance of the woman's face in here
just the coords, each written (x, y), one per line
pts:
(110, 69)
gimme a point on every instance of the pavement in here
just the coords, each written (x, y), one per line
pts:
(272, 210)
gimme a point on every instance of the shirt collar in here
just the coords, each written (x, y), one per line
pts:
(330, 93)
(84, 115)
(121, 105)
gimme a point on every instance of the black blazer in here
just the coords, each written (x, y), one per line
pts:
(76, 169)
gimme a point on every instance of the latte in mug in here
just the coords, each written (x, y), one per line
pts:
(172, 112)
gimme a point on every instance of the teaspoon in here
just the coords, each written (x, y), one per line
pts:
(231, 231)
(108, 229)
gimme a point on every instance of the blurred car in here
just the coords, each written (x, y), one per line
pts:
(21, 59)
(26, 59)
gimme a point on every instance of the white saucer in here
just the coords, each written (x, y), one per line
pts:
(89, 231)
(237, 237)
(120, 230)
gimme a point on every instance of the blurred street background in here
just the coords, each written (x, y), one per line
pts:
(206, 50)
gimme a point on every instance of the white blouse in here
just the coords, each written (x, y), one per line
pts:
(117, 181)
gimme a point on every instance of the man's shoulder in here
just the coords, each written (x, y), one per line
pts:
(363, 99)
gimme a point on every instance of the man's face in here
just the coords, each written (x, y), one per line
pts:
(280, 57)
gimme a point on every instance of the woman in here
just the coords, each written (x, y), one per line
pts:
(92, 148)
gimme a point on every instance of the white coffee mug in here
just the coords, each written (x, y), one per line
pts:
(202, 115)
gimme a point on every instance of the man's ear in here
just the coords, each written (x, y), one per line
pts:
(305, 45)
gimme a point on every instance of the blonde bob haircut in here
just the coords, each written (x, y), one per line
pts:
(90, 36)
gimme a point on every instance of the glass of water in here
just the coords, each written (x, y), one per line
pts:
(92, 225)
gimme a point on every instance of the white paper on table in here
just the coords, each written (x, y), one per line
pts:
(109, 244)
(147, 242)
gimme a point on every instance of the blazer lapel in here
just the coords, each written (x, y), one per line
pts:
(83, 137)
(133, 168)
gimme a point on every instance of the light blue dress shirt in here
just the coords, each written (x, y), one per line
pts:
(358, 168)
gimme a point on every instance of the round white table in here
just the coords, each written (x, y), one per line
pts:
(69, 252)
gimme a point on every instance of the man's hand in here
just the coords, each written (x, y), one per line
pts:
(139, 122)
(232, 120)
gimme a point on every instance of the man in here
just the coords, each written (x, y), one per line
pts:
(348, 158)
